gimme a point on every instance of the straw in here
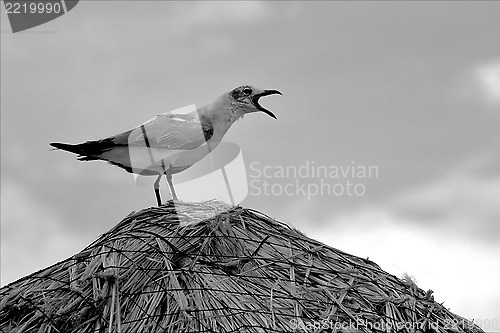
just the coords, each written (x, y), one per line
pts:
(210, 267)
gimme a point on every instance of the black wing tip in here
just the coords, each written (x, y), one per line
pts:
(63, 146)
(56, 145)
(88, 148)
(75, 149)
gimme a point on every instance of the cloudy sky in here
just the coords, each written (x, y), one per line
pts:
(410, 89)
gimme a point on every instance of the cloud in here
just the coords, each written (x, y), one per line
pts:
(444, 233)
(214, 26)
(461, 272)
(488, 79)
(32, 237)
(480, 85)
(209, 14)
(221, 12)
(466, 199)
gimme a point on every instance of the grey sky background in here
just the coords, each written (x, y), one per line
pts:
(412, 88)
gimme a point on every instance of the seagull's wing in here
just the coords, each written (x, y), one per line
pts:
(167, 131)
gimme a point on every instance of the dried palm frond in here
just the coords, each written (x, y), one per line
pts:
(209, 267)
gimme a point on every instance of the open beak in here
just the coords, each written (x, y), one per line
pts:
(255, 101)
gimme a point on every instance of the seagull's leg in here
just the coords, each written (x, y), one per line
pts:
(171, 185)
(157, 189)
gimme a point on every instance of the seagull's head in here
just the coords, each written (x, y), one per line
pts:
(246, 98)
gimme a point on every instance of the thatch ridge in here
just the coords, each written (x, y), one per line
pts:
(209, 267)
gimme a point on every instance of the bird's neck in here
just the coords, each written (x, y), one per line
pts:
(220, 115)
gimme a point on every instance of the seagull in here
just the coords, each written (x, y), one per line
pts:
(172, 142)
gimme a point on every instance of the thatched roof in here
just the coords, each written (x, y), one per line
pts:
(213, 268)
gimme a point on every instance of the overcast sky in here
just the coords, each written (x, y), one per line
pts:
(411, 89)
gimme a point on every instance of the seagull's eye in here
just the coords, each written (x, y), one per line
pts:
(247, 91)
